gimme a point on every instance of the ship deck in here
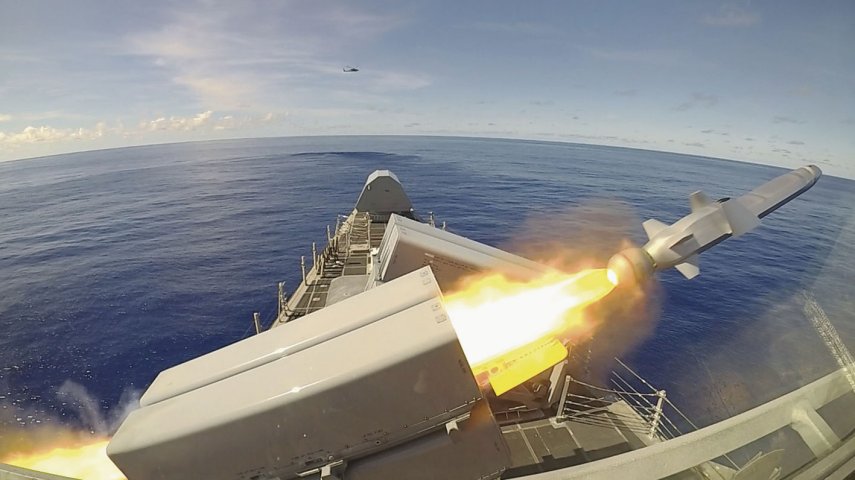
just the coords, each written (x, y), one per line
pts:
(341, 269)
(586, 443)
(589, 431)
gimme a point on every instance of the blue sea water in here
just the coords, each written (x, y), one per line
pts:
(117, 264)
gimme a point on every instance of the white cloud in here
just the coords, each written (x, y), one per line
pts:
(784, 119)
(400, 81)
(232, 58)
(647, 56)
(39, 117)
(5, 117)
(230, 122)
(180, 124)
(699, 99)
(202, 123)
(626, 93)
(221, 91)
(207, 122)
(47, 134)
(515, 28)
(731, 16)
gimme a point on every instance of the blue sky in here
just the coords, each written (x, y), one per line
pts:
(768, 82)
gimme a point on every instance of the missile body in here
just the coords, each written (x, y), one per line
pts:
(710, 223)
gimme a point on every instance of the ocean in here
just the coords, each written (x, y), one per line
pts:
(117, 264)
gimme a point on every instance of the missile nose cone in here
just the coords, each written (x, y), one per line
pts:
(814, 170)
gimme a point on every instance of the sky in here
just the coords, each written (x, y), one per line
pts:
(769, 82)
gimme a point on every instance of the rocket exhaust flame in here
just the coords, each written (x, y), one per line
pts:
(86, 461)
(510, 331)
(74, 451)
(612, 276)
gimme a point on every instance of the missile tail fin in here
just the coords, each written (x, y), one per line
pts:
(741, 219)
(699, 200)
(689, 268)
(652, 227)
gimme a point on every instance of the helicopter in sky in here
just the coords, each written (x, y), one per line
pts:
(349, 69)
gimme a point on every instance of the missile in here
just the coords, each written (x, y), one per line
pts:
(710, 223)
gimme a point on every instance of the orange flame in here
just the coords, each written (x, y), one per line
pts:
(511, 330)
(88, 461)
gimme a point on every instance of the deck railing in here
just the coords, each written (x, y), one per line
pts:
(797, 410)
(653, 414)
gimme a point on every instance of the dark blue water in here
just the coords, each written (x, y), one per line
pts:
(117, 264)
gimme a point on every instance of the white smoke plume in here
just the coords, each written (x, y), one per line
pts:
(88, 422)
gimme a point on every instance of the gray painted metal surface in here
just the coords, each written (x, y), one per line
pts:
(383, 194)
(386, 382)
(796, 409)
(11, 472)
(276, 343)
(408, 245)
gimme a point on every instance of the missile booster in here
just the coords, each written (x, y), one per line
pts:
(710, 222)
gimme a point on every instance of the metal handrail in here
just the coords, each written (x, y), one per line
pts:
(797, 409)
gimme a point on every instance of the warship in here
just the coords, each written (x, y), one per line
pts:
(366, 373)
